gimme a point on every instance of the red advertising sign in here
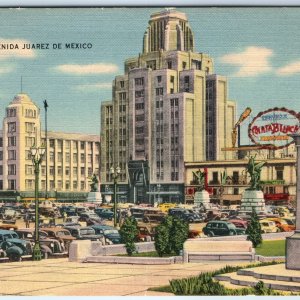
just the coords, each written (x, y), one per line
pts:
(271, 128)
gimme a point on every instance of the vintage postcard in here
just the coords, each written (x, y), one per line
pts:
(149, 151)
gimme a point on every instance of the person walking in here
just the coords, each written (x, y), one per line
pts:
(27, 219)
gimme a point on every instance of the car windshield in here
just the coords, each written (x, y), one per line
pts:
(110, 231)
(289, 221)
(87, 231)
(62, 233)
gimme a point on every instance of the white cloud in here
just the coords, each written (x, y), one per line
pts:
(94, 86)
(100, 68)
(252, 62)
(4, 70)
(289, 69)
(14, 48)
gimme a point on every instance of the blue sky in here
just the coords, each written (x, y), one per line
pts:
(256, 48)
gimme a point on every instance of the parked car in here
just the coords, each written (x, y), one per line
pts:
(268, 226)
(153, 216)
(239, 223)
(187, 215)
(13, 247)
(283, 224)
(61, 234)
(90, 218)
(49, 247)
(146, 232)
(164, 207)
(110, 233)
(221, 228)
(104, 213)
(85, 233)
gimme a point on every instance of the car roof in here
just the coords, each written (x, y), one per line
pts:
(102, 226)
(4, 231)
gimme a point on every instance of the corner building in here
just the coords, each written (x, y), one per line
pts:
(71, 157)
(169, 107)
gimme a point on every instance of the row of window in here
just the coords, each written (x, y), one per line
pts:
(29, 185)
(29, 113)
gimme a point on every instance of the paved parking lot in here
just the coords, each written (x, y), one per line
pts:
(59, 277)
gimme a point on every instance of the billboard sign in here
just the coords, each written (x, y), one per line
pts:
(271, 128)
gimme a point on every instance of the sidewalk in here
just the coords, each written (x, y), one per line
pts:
(59, 277)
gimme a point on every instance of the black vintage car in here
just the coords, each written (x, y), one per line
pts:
(13, 247)
(84, 233)
(222, 228)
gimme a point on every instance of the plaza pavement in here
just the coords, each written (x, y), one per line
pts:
(59, 277)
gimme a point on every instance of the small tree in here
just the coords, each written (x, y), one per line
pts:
(129, 233)
(254, 230)
(170, 236)
(178, 234)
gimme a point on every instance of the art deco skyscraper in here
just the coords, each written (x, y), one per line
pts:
(167, 108)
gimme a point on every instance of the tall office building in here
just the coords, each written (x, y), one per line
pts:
(169, 107)
(72, 157)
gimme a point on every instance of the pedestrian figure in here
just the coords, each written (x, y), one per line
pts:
(64, 216)
(27, 220)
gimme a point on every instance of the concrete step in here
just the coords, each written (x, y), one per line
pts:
(246, 279)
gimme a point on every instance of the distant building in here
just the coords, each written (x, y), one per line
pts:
(72, 157)
(168, 108)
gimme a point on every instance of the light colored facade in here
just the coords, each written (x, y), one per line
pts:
(278, 177)
(71, 157)
(169, 107)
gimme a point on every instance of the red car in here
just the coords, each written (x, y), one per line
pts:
(239, 223)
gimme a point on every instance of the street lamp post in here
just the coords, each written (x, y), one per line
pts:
(115, 172)
(37, 154)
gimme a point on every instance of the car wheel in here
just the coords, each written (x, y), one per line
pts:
(210, 234)
(14, 257)
(190, 220)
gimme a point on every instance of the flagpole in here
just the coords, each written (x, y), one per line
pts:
(46, 146)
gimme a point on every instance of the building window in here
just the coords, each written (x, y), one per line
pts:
(1, 142)
(1, 170)
(11, 184)
(67, 144)
(235, 191)
(75, 158)
(139, 94)
(1, 155)
(74, 185)
(82, 185)
(159, 91)
(158, 79)
(90, 158)
(28, 169)
(29, 141)
(67, 185)
(139, 130)
(29, 127)
(183, 65)
(11, 112)
(235, 178)
(51, 156)
(75, 171)
(12, 141)
(140, 117)
(279, 174)
(29, 184)
(121, 84)
(43, 184)
(11, 127)
(82, 171)
(51, 143)
(172, 78)
(82, 145)
(51, 170)
(215, 176)
(90, 171)
(59, 157)
(139, 81)
(43, 170)
(82, 158)
(196, 64)
(59, 170)
(67, 157)
(139, 106)
(52, 186)
(30, 113)
(1, 184)
(59, 185)
(12, 169)
(67, 171)
(169, 65)
(74, 146)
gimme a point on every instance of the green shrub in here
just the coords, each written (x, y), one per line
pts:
(129, 234)
(254, 230)
(170, 236)
(204, 284)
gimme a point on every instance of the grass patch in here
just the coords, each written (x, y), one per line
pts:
(271, 248)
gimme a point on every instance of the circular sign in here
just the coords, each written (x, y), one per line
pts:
(271, 128)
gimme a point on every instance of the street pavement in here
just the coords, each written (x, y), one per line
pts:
(59, 277)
